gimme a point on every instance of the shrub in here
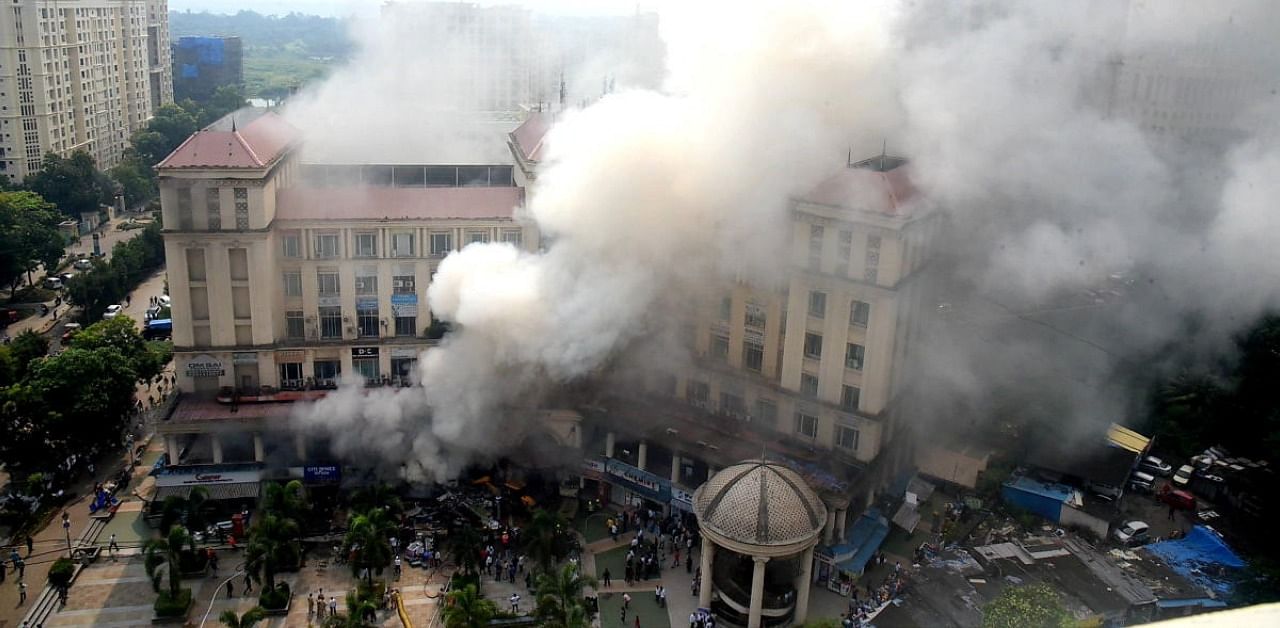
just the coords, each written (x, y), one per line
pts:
(61, 571)
(374, 594)
(167, 606)
(275, 599)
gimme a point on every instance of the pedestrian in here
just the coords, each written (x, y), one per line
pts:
(397, 567)
(22, 593)
(2, 571)
(662, 598)
(626, 601)
(693, 620)
(333, 605)
(688, 563)
(311, 603)
(606, 576)
(248, 584)
(113, 545)
(21, 566)
(515, 602)
(230, 591)
(31, 544)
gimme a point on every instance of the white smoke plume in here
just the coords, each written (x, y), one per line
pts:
(1006, 110)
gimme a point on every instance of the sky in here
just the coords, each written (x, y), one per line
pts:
(347, 7)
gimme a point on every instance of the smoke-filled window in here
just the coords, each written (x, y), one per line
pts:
(698, 393)
(720, 347)
(816, 233)
(513, 236)
(817, 304)
(854, 354)
(846, 437)
(732, 404)
(752, 355)
(809, 385)
(812, 345)
(330, 322)
(766, 413)
(849, 397)
(806, 425)
(859, 313)
(726, 308)
(755, 315)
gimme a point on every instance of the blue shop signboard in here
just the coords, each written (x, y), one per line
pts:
(637, 480)
(322, 474)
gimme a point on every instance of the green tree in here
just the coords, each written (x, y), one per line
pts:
(463, 546)
(249, 619)
(136, 178)
(74, 185)
(560, 600)
(466, 608)
(379, 496)
(273, 542)
(163, 557)
(367, 539)
(29, 236)
(119, 333)
(225, 99)
(25, 348)
(286, 500)
(1029, 606)
(169, 127)
(547, 539)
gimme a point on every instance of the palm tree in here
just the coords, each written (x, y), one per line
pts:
(166, 554)
(247, 620)
(466, 608)
(560, 596)
(288, 500)
(379, 496)
(546, 539)
(189, 510)
(272, 542)
(368, 536)
(463, 546)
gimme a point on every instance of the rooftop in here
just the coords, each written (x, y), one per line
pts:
(193, 409)
(529, 135)
(248, 138)
(880, 185)
(387, 203)
(758, 502)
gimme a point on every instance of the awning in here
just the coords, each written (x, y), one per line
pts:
(1127, 439)
(234, 490)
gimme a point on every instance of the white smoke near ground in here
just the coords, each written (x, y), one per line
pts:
(647, 196)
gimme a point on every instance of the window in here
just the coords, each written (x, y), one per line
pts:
(293, 284)
(846, 437)
(184, 209)
(367, 368)
(242, 208)
(406, 325)
(477, 236)
(860, 313)
(403, 284)
(815, 246)
(330, 322)
(767, 412)
(812, 345)
(732, 404)
(753, 355)
(817, 304)
(327, 372)
(213, 205)
(513, 236)
(699, 393)
(806, 425)
(294, 328)
(719, 347)
(854, 355)
(726, 308)
(366, 245)
(873, 258)
(291, 375)
(808, 385)
(849, 396)
(326, 245)
(367, 322)
(846, 247)
(367, 282)
(328, 282)
(292, 245)
(441, 244)
(755, 315)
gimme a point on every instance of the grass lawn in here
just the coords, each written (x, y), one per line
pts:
(642, 605)
(593, 527)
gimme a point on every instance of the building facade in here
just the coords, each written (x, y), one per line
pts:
(203, 64)
(79, 75)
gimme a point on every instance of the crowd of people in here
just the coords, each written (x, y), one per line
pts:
(862, 608)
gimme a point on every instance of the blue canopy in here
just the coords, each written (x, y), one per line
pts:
(1201, 557)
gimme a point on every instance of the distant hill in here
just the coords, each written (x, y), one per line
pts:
(280, 52)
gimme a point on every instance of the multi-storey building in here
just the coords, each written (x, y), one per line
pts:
(203, 64)
(78, 75)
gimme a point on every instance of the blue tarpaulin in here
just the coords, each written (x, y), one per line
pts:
(1201, 557)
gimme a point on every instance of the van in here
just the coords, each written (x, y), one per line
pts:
(158, 329)
(1142, 482)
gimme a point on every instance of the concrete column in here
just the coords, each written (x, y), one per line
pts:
(675, 468)
(258, 453)
(803, 580)
(642, 455)
(171, 444)
(757, 591)
(840, 523)
(829, 527)
(708, 561)
(217, 448)
(609, 441)
(300, 446)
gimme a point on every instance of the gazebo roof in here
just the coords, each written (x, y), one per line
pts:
(760, 503)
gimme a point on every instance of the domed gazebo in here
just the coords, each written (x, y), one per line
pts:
(762, 512)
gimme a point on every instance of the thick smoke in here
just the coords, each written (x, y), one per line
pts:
(1078, 242)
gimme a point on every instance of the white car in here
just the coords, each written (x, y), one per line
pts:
(83, 264)
(166, 301)
(1132, 533)
(113, 311)
(1183, 476)
(1155, 466)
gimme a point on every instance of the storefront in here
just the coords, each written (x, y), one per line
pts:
(364, 361)
(634, 487)
(403, 361)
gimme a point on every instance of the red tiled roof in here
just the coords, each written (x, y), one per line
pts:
(376, 203)
(256, 145)
(888, 192)
(528, 136)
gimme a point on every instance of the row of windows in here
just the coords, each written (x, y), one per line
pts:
(403, 244)
(854, 354)
(328, 282)
(329, 324)
(849, 395)
(765, 412)
(859, 311)
(844, 247)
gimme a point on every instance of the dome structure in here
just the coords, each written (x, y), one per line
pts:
(761, 504)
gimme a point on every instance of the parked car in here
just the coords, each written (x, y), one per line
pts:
(113, 311)
(1142, 482)
(52, 283)
(1155, 466)
(1180, 500)
(65, 277)
(69, 331)
(82, 264)
(1202, 462)
(1104, 491)
(1183, 476)
(1132, 533)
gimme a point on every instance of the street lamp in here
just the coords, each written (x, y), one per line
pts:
(66, 527)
